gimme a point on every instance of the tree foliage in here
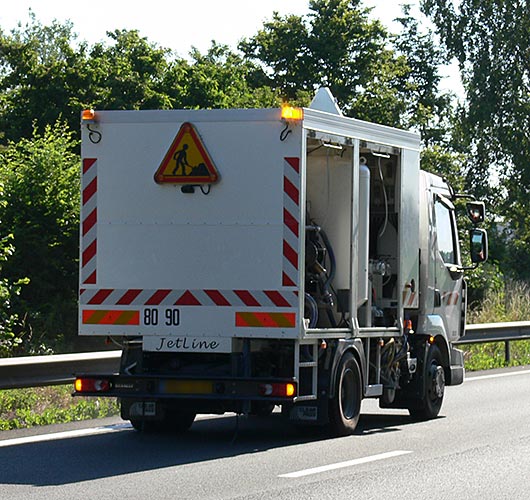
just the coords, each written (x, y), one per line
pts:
(41, 73)
(220, 78)
(45, 75)
(337, 46)
(41, 211)
(373, 75)
(491, 43)
(10, 323)
(429, 110)
(126, 74)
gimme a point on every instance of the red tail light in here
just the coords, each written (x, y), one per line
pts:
(92, 385)
(277, 390)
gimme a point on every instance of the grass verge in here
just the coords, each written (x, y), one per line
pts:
(21, 408)
(509, 303)
(492, 355)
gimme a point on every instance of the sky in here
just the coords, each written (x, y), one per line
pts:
(178, 25)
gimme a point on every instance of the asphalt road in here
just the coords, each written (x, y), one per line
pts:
(479, 448)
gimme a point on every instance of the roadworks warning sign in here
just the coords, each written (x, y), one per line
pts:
(187, 161)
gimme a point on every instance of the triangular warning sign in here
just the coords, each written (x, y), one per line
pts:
(187, 161)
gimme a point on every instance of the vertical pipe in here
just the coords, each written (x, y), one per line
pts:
(367, 355)
(247, 371)
(246, 358)
(378, 363)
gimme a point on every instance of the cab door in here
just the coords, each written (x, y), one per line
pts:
(449, 282)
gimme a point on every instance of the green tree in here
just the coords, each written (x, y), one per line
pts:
(220, 78)
(10, 338)
(336, 45)
(45, 75)
(491, 43)
(41, 211)
(41, 74)
(128, 73)
(429, 110)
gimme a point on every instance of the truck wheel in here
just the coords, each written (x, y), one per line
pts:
(345, 406)
(261, 409)
(430, 404)
(175, 423)
(178, 422)
(144, 425)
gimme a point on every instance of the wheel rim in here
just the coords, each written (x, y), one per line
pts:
(437, 382)
(347, 394)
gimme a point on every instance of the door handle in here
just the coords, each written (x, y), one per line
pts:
(437, 298)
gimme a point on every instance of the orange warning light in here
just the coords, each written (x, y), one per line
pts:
(187, 161)
(88, 115)
(290, 113)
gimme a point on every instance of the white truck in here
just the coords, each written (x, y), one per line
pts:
(247, 259)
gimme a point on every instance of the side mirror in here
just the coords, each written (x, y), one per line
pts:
(476, 211)
(478, 244)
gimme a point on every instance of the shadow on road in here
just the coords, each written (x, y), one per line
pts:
(66, 461)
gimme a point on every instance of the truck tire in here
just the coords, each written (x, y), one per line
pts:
(345, 406)
(147, 426)
(261, 409)
(176, 423)
(180, 422)
(428, 407)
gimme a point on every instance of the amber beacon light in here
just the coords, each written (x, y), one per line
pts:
(290, 113)
(88, 115)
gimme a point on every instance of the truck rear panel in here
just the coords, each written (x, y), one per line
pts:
(190, 266)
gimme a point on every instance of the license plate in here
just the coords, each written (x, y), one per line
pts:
(187, 387)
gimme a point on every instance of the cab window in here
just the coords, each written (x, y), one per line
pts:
(445, 231)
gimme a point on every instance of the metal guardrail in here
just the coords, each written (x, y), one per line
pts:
(57, 369)
(35, 371)
(496, 332)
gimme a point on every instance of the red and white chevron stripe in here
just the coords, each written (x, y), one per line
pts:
(165, 297)
(89, 216)
(291, 221)
(409, 299)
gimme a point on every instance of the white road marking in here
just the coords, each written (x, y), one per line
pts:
(40, 438)
(64, 435)
(498, 375)
(348, 463)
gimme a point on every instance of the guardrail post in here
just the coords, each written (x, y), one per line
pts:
(507, 353)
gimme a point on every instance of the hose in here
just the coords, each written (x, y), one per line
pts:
(385, 196)
(313, 308)
(332, 260)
